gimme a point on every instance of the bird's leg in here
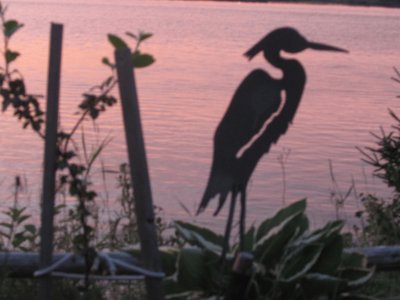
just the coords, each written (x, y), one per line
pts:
(242, 228)
(228, 227)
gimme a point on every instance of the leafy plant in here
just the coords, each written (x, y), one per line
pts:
(290, 261)
(385, 157)
(15, 231)
(26, 106)
(382, 217)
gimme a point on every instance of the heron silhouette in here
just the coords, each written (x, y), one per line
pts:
(255, 119)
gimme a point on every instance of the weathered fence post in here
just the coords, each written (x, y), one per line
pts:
(50, 155)
(240, 276)
(139, 171)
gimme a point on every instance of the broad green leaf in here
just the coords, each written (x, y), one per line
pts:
(321, 284)
(140, 60)
(173, 290)
(299, 223)
(270, 249)
(350, 296)
(330, 258)
(249, 239)
(169, 258)
(116, 41)
(200, 236)
(280, 217)
(354, 260)
(10, 56)
(10, 27)
(356, 277)
(326, 233)
(191, 268)
(300, 262)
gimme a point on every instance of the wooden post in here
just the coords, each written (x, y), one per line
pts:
(50, 156)
(240, 276)
(139, 171)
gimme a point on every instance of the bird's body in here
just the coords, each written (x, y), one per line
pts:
(261, 111)
(233, 133)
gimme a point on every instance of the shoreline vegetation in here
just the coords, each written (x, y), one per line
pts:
(379, 3)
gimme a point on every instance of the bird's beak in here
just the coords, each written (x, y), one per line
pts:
(318, 46)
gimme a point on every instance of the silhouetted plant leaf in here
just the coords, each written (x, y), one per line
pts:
(281, 217)
(191, 268)
(330, 258)
(249, 238)
(299, 262)
(140, 60)
(6, 103)
(144, 36)
(356, 277)
(199, 236)
(10, 27)
(132, 35)
(352, 296)
(30, 228)
(107, 62)
(269, 249)
(6, 225)
(317, 283)
(11, 56)
(168, 257)
(354, 260)
(19, 238)
(116, 41)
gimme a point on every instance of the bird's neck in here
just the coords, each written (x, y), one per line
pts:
(293, 71)
(275, 59)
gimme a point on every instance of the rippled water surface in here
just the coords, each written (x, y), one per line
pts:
(199, 47)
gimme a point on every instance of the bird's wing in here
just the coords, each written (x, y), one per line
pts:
(256, 99)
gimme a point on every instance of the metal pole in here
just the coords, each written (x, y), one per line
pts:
(139, 171)
(50, 156)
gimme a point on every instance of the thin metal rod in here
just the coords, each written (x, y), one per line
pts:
(139, 172)
(228, 227)
(50, 156)
(242, 229)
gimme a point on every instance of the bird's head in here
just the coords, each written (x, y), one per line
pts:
(287, 39)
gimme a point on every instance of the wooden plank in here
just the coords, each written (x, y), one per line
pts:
(384, 258)
(139, 171)
(50, 156)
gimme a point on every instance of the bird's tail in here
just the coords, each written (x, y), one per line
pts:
(214, 188)
(253, 51)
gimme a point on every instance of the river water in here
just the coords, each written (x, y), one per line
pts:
(198, 47)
